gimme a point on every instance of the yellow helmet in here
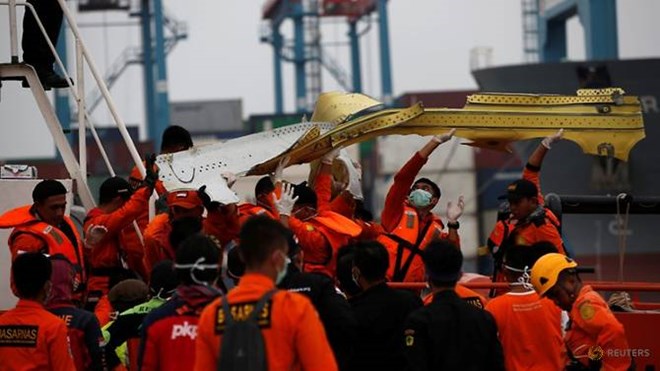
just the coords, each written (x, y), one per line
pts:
(546, 270)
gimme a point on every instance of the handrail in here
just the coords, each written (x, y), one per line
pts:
(82, 55)
(596, 285)
(121, 126)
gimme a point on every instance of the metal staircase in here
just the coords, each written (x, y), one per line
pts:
(14, 70)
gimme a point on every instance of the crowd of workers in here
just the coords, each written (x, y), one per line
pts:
(296, 280)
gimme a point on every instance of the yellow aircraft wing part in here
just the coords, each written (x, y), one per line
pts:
(600, 121)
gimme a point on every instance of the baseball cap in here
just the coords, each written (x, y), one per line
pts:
(188, 199)
(521, 188)
(113, 187)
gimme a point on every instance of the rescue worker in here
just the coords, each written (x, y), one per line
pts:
(380, 311)
(320, 231)
(31, 337)
(334, 311)
(293, 334)
(263, 205)
(221, 222)
(521, 315)
(126, 295)
(118, 208)
(408, 220)
(124, 332)
(345, 177)
(169, 331)
(529, 221)
(43, 227)
(594, 339)
(84, 330)
(450, 334)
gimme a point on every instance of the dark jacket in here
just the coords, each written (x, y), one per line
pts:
(380, 312)
(450, 334)
(335, 312)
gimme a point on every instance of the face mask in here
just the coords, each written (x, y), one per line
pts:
(198, 265)
(420, 198)
(282, 273)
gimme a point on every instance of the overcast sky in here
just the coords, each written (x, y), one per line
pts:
(223, 58)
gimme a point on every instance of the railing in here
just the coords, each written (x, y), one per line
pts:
(596, 285)
(82, 56)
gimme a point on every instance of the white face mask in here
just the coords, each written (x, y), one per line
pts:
(198, 265)
(420, 198)
(282, 273)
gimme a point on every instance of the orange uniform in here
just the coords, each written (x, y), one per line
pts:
(156, 237)
(405, 234)
(464, 293)
(321, 236)
(133, 244)
(30, 234)
(595, 332)
(344, 204)
(545, 227)
(107, 257)
(103, 311)
(529, 330)
(294, 337)
(31, 338)
(247, 210)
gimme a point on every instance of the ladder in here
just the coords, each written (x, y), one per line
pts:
(17, 71)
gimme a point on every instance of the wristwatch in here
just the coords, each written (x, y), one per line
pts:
(454, 225)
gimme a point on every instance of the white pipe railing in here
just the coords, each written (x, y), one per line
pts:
(13, 31)
(82, 54)
(104, 89)
(80, 100)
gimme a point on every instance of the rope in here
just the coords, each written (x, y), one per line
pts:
(623, 228)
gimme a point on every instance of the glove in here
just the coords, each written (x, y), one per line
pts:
(455, 211)
(230, 178)
(444, 137)
(279, 171)
(329, 157)
(94, 235)
(151, 176)
(547, 141)
(284, 204)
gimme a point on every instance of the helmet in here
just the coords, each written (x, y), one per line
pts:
(546, 270)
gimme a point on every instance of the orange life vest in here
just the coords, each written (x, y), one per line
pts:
(24, 222)
(405, 243)
(338, 231)
(246, 211)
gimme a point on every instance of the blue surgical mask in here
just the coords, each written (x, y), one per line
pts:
(281, 274)
(420, 198)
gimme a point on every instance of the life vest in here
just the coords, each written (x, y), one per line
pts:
(405, 243)
(24, 222)
(338, 231)
(246, 211)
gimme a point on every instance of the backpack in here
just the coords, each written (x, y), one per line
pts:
(242, 342)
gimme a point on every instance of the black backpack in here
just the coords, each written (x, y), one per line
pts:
(242, 342)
